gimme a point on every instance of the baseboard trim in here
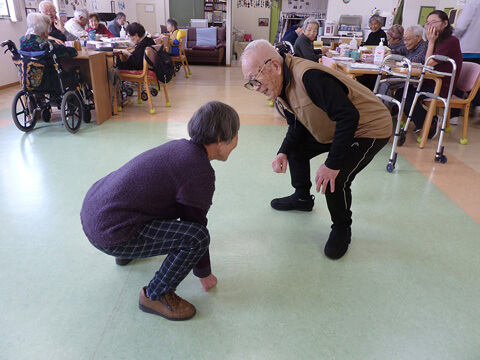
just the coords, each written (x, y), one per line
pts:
(9, 85)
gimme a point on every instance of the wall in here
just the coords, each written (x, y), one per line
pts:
(356, 7)
(184, 10)
(247, 19)
(10, 31)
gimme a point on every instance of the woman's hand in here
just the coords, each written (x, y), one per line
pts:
(208, 282)
(432, 34)
(59, 42)
(279, 164)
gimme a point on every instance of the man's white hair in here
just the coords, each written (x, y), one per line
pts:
(258, 51)
(78, 13)
(417, 30)
(43, 3)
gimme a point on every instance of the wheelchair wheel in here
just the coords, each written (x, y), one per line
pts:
(144, 95)
(72, 111)
(129, 91)
(24, 112)
(154, 92)
(46, 115)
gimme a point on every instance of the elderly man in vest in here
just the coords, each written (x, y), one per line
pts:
(326, 112)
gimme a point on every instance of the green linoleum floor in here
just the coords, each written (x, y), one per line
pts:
(407, 288)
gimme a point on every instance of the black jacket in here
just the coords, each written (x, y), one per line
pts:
(135, 61)
(304, 48)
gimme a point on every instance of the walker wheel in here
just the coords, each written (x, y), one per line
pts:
(390, 167)
(154, 92)
(464, 141)
(443, 159)
(129, 91)
(144, 96)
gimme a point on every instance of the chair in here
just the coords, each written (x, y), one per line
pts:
(181, 57)
(329, 62)
(468, 82)
(145, 77)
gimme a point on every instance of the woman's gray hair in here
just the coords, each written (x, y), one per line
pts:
(81, 13)
(310, 20)
(38, 24)
(417, 30)
(214, 122)
(376, 18)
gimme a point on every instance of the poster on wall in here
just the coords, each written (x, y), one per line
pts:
(31, 3)
(254, 3)
(95, 5)
(121, 5)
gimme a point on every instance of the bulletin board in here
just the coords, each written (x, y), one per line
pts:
(422, 15)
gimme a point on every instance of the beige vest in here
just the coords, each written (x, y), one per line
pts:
(375, 120)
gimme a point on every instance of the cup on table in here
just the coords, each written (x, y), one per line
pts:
(355, 55)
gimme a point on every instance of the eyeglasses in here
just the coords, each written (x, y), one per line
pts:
(254, 82)
(431, 23)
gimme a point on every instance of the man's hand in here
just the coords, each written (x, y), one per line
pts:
(208, 282)
(58, 24)
(279, 164)
(324, 176)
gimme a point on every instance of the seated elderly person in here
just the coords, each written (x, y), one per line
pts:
(375, 25)
(395, 38)
(304, 44)
(415, 47)
(292, 34)
(76, 25)
(414, 50)
(57, 31)
(136, 34)
(94, 22)
(115, 26)
(37, 34)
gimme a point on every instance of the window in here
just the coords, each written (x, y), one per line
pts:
(4, 13)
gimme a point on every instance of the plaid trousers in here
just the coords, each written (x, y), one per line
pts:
(185, 243)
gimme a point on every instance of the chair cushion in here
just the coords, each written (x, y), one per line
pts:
(207, 36)
(151, 73)
(204, 47)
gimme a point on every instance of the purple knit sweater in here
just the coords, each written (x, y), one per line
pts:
(151, 186)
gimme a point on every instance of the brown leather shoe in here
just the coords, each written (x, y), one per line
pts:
(170, 306)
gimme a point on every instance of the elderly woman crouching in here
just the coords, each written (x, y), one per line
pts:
(157, 204)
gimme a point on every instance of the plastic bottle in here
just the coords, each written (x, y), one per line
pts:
(123, 34)
(353, 44)
(379, 53)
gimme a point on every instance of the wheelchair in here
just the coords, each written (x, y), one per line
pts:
(45, 84)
